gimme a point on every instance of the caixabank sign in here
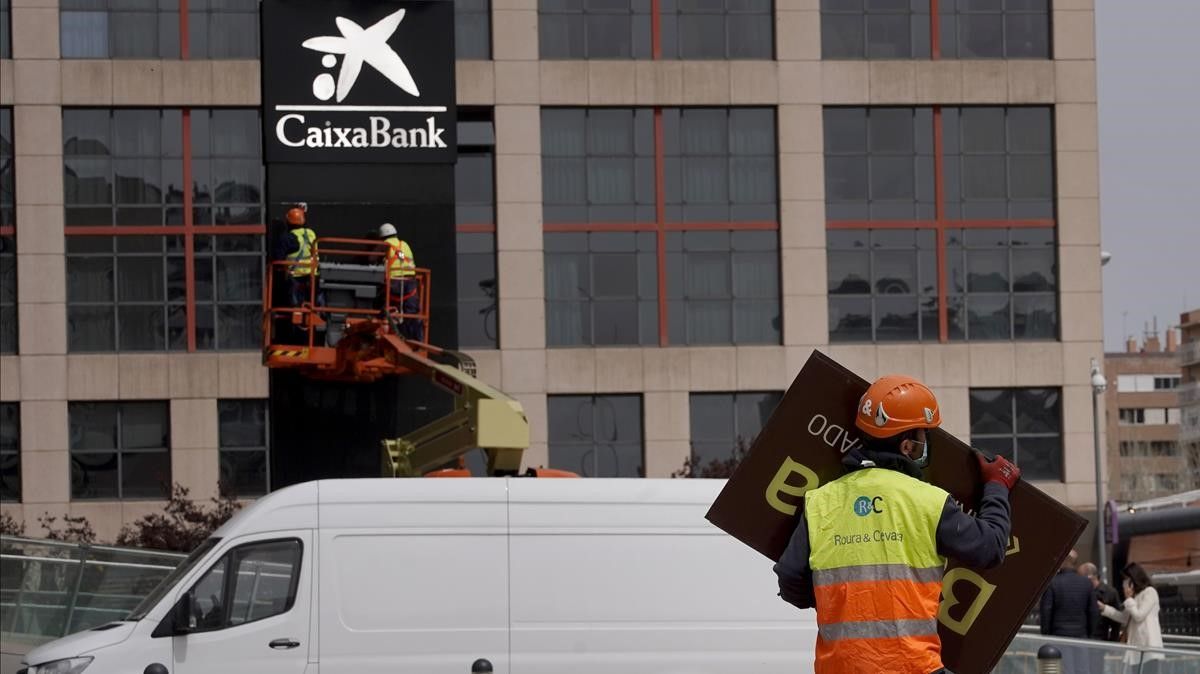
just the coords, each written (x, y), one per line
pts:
(358, 81)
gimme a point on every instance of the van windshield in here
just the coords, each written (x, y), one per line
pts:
(167, 583)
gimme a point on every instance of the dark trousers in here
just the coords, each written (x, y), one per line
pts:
(405, 296)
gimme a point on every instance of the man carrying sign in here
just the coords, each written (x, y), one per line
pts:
(870, 547)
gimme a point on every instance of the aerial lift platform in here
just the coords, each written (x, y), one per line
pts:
(351, 328)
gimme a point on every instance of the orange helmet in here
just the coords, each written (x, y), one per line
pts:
(295, 217)
(894, 404)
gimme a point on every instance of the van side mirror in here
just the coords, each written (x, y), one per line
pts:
(178, 620)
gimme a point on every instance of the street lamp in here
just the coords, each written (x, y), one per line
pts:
(1099, 384)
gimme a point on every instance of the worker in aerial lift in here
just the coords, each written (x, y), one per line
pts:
(870, 547)
(299, 245)
(402, 275)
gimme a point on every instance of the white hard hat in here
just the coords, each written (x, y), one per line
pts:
(386, 229)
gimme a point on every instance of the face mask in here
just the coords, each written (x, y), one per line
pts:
(923, 461)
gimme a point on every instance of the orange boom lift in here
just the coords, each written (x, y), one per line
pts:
(350, 327)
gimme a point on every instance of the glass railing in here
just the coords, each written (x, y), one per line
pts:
(49, 589)
(1096, 657)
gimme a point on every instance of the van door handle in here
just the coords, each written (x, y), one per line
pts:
(280, 644)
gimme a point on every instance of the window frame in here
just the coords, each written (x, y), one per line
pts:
(15, 451)
(231, 556)
(265, 448)
(944, 227)
(193, 234)
(181, 16)
(733, 399)
(119, 407)
(593, 399)
(1015, 435)
(9, 329)
(469, 228)
(661, 224)
(938, 18)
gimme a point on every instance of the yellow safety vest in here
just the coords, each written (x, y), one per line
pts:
(877, 574)
(400, 261)
(307, 249)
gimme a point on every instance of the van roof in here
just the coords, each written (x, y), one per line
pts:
(294, 507)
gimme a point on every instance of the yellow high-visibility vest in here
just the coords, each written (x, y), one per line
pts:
(400, 261)
(305, 252)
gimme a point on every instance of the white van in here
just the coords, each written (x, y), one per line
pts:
(535, 576)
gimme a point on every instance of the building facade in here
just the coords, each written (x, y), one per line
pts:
(1189, 390)
(1145, 456)
(662, 212)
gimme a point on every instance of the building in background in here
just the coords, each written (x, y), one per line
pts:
(1145, 459)
(659, 218)
(1189, 390)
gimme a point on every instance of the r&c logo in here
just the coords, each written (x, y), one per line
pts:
(865, 505)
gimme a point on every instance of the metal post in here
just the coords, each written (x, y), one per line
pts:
(74, 598)
(1098, 386)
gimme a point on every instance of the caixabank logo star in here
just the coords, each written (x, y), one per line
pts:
(340, 81)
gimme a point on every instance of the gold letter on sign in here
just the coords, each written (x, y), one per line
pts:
(949, 601)
(779, 485)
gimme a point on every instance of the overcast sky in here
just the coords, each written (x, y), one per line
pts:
(1148, 55)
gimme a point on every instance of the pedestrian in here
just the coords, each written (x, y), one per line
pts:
(1107, 629)
(1139, 615)
(1068, 609)
(877, 601)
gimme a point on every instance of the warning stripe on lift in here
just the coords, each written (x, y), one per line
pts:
(289, 353)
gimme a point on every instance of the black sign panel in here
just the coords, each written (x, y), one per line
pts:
(358, 81)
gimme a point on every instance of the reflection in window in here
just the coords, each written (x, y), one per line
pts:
(5, 29)
(242, 435)
(101, 29)
(1002, 284)
(903, 29)
(119, 450)
(601, 288)
(596, 436)
(227, 169)
(882, 285)
(10, 452)
(1024, 425)
(724, 422)
(723, 287)
(475, 216)
(879, 164)
(264, 577)
(229, 273)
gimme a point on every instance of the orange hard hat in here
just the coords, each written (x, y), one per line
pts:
(295, 216)
(894, 404)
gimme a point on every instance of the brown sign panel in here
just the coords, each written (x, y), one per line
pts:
(801, 448)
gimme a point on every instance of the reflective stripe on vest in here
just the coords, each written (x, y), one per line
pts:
(306, 249)
(400, 260)
(876, 572)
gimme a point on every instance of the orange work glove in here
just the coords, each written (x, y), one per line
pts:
(998, 469)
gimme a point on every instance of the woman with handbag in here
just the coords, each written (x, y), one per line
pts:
(1139, 619)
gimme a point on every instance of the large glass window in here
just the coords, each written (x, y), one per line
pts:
(152, 264)
(724, 422)
(242, 435)
(941, 224)
(473, 29)
(604, 29)
(906, 29)
(1023, 425)
(597, 436)
(5, 29)
(209, 29)
(10, 452)
(475, 215)
(8, 234)
(120, 450)
(661, 225)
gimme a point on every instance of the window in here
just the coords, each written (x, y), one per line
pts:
(1131, 415)
(242, 430)
(1152, 448)
(475, 215)
(597, 436)
(473, 29)
(120, 450)
(8, 232)
(10, 452)
(5, 29)
(603, 29)
(152, 266)
(941, 224)
(1024, 425)
(906, 29)
(724, 422)
(264, 580)
(661, 225)
(100, 29)
(1167, 383)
